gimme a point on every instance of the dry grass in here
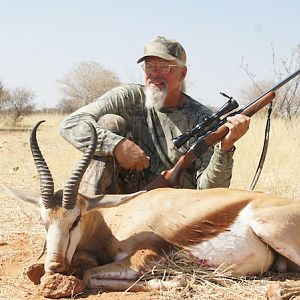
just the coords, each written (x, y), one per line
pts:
(21, 236)
(281, 173)
(208, 284)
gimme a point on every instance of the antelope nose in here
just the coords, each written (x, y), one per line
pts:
(57, 267)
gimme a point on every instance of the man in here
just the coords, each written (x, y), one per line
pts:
(135, 124)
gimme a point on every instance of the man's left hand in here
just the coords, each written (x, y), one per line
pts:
(238, 125)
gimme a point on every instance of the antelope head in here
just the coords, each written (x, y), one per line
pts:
(61, 211)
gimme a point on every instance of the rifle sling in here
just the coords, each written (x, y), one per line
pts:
(264, 150)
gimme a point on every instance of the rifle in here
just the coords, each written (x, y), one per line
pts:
(212, 130)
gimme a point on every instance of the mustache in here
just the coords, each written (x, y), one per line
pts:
(156, 80)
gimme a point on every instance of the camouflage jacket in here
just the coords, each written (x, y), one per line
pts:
(152, 130)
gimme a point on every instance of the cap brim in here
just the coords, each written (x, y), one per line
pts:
(156, 54)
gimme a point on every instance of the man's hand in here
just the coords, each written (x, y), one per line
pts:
(238, 125)
(131, 156)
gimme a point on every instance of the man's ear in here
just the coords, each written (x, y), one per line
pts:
(183, 72)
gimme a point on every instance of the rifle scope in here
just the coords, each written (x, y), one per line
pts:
(230, 105)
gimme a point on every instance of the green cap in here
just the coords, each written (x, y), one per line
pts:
(164, 48)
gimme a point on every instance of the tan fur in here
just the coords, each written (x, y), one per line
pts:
(57, 213)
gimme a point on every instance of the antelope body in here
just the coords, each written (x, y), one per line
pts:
(241, 230)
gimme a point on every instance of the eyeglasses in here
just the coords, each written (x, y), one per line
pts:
(162, 67)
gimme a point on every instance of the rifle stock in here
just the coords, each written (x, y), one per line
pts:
(173, 177)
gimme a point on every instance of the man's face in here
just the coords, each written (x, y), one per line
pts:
(156, 79)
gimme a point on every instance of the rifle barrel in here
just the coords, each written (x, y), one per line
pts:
(275, 87)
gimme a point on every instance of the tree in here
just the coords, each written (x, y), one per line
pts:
(67, 106)
(287, 102)
(4, 96)
(84, 83)
(17, 103)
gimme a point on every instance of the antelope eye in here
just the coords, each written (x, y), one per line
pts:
(75, 223)
(43, 224)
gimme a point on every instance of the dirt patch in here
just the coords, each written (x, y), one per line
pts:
(14, 254)
(17, 255)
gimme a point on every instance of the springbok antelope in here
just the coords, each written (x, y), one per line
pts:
(239, 229)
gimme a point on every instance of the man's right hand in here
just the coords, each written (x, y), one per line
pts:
(131, 156)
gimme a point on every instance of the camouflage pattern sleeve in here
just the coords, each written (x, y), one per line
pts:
(117, 101)
(214, 167)
(218, 172)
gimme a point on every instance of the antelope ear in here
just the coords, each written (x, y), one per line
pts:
(109, 200)
(24, 195)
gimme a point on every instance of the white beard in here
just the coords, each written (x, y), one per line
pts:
(155, 97)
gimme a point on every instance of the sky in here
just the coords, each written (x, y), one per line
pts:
(41, 41)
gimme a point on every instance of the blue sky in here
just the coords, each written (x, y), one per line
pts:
(41, 41)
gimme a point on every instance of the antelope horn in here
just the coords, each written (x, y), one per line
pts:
(46, 180)
(71, 187)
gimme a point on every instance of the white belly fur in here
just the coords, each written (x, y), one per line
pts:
(238, 248)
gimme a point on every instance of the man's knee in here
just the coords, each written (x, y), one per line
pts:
(100, 177)
(102, 174)
(113, 123)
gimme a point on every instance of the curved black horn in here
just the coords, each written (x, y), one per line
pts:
(72, 185)
(46, 180)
